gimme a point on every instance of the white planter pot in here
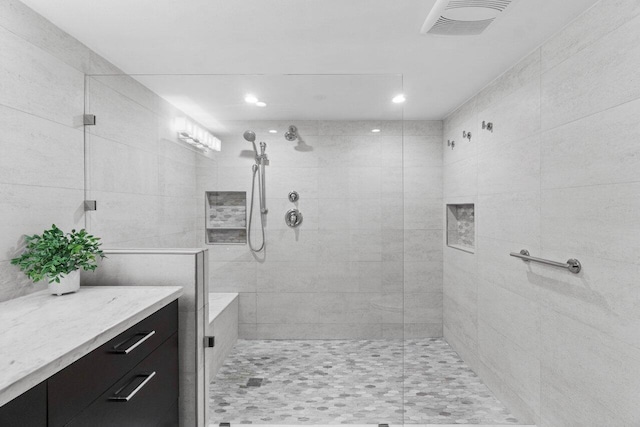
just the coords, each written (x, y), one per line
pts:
(68, 284)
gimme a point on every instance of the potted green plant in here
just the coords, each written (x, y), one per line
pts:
(58, 257)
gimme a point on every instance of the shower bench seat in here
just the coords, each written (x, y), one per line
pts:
(223, 326)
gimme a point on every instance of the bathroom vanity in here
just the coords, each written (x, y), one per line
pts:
(103, 356)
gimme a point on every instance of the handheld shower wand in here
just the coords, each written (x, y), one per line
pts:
(261, 161)
(250, 136)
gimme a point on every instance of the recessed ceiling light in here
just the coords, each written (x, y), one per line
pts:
(399, 99)
(261, 104)
(273, 131)
(375, 130)
(250, 99)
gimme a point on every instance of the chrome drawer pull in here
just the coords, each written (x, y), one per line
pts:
(128, 350)
(117, 398)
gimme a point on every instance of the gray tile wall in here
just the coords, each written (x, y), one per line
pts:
(558, 176)
(143, 179)
(367, 260)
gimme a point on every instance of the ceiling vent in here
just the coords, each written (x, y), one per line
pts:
(463, 17)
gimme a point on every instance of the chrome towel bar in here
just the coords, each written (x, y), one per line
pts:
(573, 265)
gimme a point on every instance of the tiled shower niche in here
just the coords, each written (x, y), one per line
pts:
(461, 233)
(226, 217)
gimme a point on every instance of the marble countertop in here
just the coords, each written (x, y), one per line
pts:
(41, 334)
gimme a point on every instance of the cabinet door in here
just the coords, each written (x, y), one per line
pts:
(142, 397)
(26, 410)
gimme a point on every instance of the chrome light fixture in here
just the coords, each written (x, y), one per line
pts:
(193, 134)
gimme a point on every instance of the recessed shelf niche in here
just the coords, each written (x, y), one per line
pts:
(461, 232)
(226, 217)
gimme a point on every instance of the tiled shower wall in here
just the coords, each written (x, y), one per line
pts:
(144, 182)
(559, 176)
(367, 260)
(143, 179)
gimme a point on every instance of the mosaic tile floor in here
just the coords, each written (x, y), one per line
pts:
(351, 382)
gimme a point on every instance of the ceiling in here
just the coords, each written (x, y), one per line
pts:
(214, 100)
(275, 37)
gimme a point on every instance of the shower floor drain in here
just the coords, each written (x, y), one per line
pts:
(254, 382)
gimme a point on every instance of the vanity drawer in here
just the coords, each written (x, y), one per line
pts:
(142, 397)
(77, 386)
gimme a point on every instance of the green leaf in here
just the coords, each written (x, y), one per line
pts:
(54, 254)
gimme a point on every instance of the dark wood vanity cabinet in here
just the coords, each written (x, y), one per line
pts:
(132, 380)
(139, 363)
(153, 390)
(27, 410)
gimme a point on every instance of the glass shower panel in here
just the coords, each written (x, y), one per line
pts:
(321, 308)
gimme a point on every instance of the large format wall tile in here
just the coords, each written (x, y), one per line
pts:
(461, 178)
(322, 308)
(497, 267)
(14, 284)
(124, 217)
(514, 118)
(557, 395)
(512, 166)
(350, 277)
(461, 325)
(587, 152)
(573, 90)
(40, 152)
(422, 308)
(175, 178)
(518, 368)
(120, 118)
(283, 276)
(20, 216)
(422, 128)
(228, 276)
(422, 182)
(422, 276)
(352, 240)
(19, 19)
(359, 127)
(344, 331)
(509, 216)
(596, 368)
(117, 167)
(37, 83)
(604, 295)
(422, 245)
(355, 188)
(601, 221)
(421, 151)
(143, 178)
(515, 317)
(559, 177)
(513, 80)
(422, 214)
(248, 311)
(603, 18)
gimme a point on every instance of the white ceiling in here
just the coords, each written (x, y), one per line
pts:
(276, 37)
(214, 100)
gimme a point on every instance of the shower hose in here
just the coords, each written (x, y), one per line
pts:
(253, 189)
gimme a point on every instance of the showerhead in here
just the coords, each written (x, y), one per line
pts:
(249, 135)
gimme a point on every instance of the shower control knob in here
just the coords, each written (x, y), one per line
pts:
(293, 218)
(294, 196)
